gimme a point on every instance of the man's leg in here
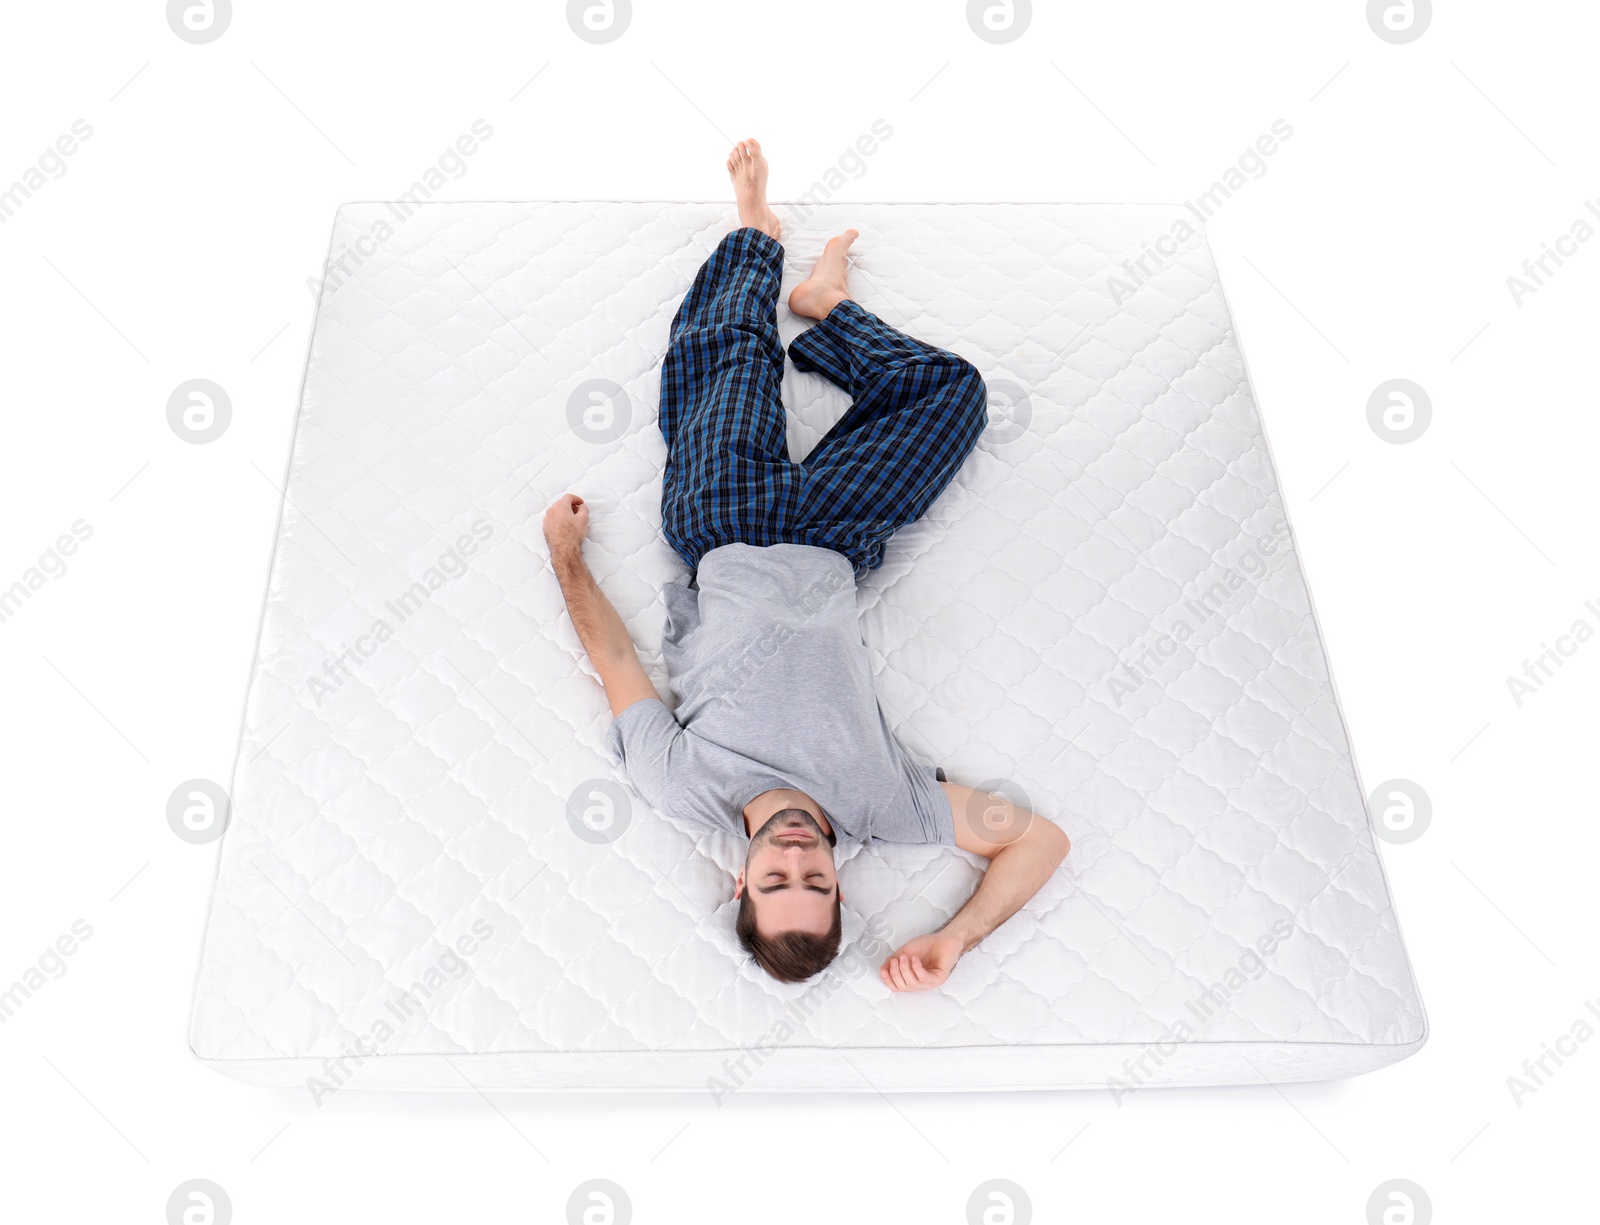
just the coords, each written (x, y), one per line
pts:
(729, 477)
(917, 414)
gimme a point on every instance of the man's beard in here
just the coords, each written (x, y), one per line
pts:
(782, 821)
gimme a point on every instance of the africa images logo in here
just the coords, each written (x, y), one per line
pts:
(450, 565)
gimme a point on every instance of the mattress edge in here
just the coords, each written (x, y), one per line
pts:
(1316, 625)
(1105, 1067)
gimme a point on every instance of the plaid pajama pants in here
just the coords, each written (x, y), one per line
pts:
(917, 412)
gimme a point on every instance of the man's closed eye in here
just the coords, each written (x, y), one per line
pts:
(825, 890)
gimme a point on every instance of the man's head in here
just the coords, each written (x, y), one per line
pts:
(789, 917)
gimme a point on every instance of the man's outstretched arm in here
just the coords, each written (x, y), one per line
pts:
(1023, 850)
(600, 629)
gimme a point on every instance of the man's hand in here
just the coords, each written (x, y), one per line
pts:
(601, 631)
(566, 523)
(923, 964)
(1023, 851)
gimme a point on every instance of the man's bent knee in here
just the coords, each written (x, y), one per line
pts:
(972, 392)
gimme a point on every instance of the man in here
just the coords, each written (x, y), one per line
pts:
(777, 735)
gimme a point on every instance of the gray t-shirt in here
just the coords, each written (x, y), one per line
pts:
(774, 689)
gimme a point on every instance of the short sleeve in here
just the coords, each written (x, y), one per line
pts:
(921, 810)
(641, 740)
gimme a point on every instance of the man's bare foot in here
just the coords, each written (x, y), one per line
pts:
(748, 170)
(825, 288)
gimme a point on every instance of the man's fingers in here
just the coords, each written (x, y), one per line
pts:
(906, 972)
(901, 976)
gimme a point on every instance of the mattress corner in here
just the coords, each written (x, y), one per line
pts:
(192, 1042)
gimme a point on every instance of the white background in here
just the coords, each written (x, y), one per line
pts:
(1377, 245)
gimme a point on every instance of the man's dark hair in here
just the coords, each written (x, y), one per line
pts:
(792, 957)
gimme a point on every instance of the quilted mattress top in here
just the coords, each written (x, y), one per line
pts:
(1103, 616)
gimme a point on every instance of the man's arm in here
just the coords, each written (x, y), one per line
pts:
(1023, 850)
(600, 629)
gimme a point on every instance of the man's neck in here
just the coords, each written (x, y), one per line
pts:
(760, 810)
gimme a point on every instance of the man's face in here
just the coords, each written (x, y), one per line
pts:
(789, 873)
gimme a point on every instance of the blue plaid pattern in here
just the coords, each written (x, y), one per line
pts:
(917, 412)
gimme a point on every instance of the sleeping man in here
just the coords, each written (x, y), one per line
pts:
(777, 734)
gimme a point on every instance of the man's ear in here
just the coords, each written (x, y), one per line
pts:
(738, 885)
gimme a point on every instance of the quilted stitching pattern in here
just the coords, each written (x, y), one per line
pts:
(422, 787)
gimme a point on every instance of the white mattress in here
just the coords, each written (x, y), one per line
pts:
(419, 806)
